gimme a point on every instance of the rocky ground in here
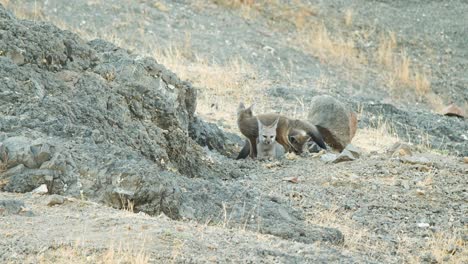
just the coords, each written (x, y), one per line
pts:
(141, 176)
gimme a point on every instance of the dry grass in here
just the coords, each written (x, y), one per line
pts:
(357, 238)
(401, 73)
(3, 161)
(348, 17)
(221, 86)
(36, 13)
(79, 254)
(444, 248)
(317, 41)
(378, 137)
(296, 12)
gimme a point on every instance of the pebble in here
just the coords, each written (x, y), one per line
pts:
(345, 155)
(453, 110)
(422, 225)
(328, 157)
(41, 189)
(55, 199)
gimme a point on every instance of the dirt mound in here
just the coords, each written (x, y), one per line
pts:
(94, 121)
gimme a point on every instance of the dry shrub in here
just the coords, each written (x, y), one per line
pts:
(401, 73)
(376, 138)
(79, 254)
(348, 17)
(335, 50)
(385, 50)
(445, 248)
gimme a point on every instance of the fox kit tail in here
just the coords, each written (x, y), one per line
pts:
(245, 151)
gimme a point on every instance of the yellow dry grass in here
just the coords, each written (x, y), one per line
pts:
(79, 254)
(348, 17)
(317, 41)
(295, 12)
(376, 138)
(444, 248)
(401, 72)
(221, 86)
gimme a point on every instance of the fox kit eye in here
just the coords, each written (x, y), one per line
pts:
(264, 136)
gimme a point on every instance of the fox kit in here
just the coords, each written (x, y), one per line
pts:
(248, 125)
(267, 146)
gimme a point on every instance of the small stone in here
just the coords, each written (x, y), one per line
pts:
(16, 57)
(328, 157)
(405, 184)
(453, 110)
(41, 189)
(271, 165)
(291, 179)
(345, 155)
(423, 225)
(291, 156)
(420, 192)
(55, 199)
(465, 159)
(354, 150)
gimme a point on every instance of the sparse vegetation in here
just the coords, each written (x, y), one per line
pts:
(79, 254)
(352, 58)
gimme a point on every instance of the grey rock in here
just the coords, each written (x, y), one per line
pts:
(16, 57)
(12, 207)
(55, 199)
(332, 118)
(350, 153)
(345, 155)
(328, 157)
(354, 150)
(42, 189)
(22, 150)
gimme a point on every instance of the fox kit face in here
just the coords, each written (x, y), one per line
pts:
(298, 139)
(267, 134)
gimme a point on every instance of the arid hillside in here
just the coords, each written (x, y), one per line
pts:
(118, 131)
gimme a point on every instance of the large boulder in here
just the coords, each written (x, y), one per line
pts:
(335, 121)
(92, 120)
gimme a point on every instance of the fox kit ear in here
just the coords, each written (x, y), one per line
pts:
(260, 125)
(275, 123)
(241, 106)
(251, 107)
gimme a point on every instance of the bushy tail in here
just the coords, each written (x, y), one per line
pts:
(245, 151)
(312, 131)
